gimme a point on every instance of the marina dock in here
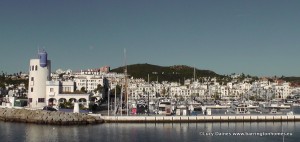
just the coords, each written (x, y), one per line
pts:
(195, 119)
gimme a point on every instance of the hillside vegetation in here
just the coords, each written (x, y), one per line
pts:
(170, 73)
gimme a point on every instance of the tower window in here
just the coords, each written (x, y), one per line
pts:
(36, 67)
(30, 100)
(32, 68)
(32, 78)
(31, 89)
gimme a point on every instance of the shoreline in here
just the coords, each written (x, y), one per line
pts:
(64, 118)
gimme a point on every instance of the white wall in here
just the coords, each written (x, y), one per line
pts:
(37, 83)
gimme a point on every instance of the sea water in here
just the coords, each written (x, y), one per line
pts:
(157, 132)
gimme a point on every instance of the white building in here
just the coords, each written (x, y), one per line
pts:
(89, 82)
(42, 91)
(63, 91)
(282, 90)
(39, 73)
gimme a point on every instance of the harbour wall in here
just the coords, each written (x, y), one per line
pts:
(203, 119)
(47, 117)
(64, 118)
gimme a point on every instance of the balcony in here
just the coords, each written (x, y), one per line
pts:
(51, 94)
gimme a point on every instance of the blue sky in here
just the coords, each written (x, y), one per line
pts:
(256, 37)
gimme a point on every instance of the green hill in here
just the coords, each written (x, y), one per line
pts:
(171, 73)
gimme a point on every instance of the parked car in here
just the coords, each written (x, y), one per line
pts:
(48, 108)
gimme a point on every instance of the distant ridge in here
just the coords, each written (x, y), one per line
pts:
(164, 73)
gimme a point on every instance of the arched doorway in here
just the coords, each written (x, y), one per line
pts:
(82, 100)
(62, 100)
(52, 102)
(72, 100)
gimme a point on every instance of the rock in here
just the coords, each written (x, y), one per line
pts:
(91, 121)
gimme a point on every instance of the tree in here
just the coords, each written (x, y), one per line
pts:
(68, 105)
(2, 85)
(61, 75)
(99, 88)
(118, 88)
(181, 98)
(168, 92)
(216, 96)
(83, 90)
(176, 96)
(163, 92)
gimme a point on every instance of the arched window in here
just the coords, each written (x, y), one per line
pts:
(36, 67)
(32, 68)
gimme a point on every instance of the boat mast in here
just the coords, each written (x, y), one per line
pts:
(194, 74)
(126, 85)
(121, 99)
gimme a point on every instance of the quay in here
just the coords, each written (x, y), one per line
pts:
(200, 119)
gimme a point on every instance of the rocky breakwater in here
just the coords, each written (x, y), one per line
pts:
(47, 117)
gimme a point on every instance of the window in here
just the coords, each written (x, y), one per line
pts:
(31, 89)
(51, 89)
(32, 68)
(32, 78)
(36, 67)
(41, 100)
(30, 100)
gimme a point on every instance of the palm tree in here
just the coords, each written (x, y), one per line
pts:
(82, 89)
(99, 88)
(163, 92)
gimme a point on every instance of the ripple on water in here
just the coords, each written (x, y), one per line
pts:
(148, 132)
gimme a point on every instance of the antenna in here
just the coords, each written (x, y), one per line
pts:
(38, 50)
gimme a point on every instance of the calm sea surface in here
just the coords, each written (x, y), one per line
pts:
(184, 132)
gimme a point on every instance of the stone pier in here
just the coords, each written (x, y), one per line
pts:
(47, 117)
